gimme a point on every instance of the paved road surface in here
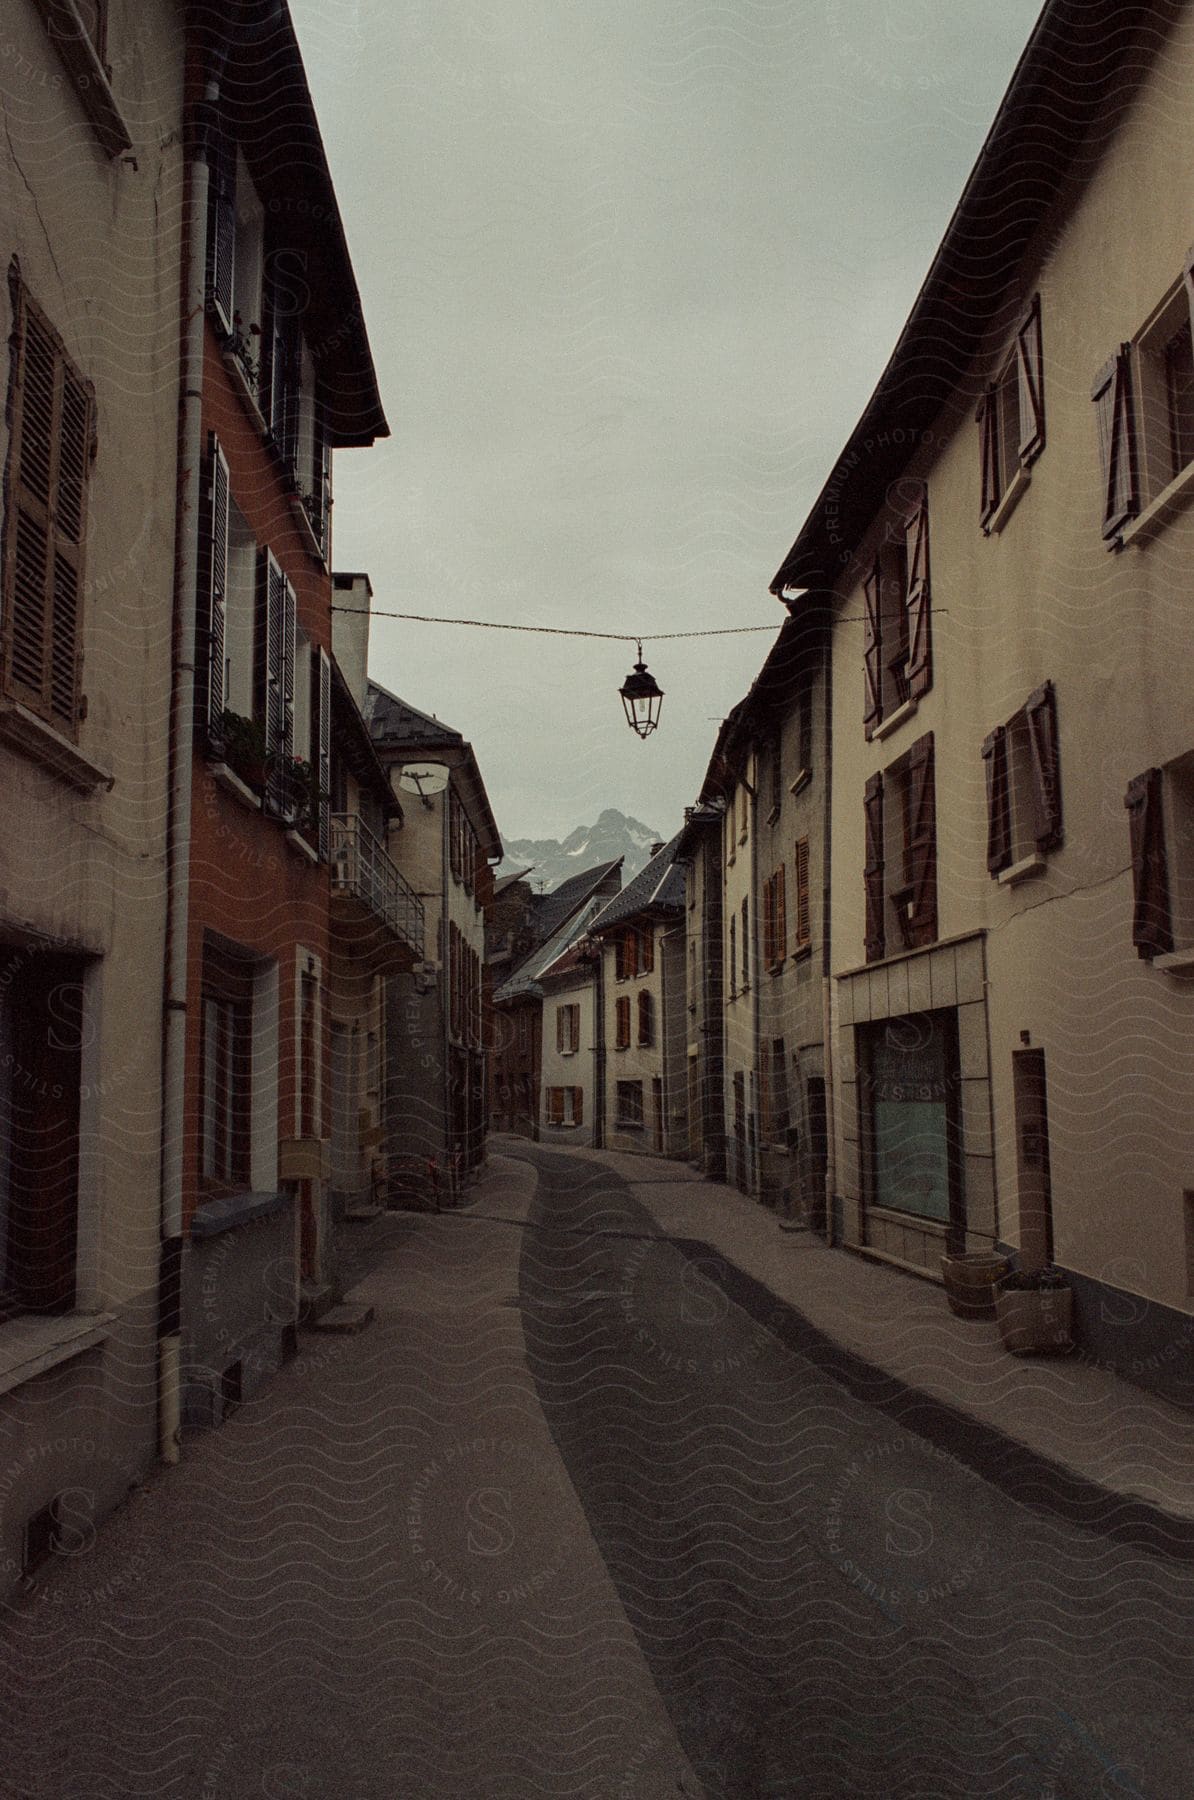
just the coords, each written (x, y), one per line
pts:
(569, 1520)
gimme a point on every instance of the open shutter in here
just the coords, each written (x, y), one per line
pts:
(1030, 370)
(999, 801)
(212, 599)
(287, 655)
(780, 922)
(560, 1044)
(922, 842)
(1152, 924)
(323, 768)
(988, 425)
(1041, 711)
(321, 480)
(803, 897)
(874, 869)
(1112, 397)
(271, 606)
(578, 1106)
(646, 949)
(917, 601)
(221, 227)
(872, 651)
(769, 921)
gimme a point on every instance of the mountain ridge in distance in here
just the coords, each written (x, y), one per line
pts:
(555, 860)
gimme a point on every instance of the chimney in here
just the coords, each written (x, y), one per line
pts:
(655, 849)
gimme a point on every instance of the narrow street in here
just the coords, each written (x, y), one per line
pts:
(571, 1518)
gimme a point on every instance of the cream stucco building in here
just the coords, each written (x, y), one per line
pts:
(1005, 543)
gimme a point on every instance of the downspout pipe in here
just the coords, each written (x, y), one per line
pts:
(829, 1054)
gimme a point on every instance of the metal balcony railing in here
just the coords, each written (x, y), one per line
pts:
(361, 865)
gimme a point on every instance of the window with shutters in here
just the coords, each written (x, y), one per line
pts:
(240, 614)
(274, 684)
(1144, 407)
(645, 937)
(225, 1071)
(1022, 769)
(646, 1017)
(622, 1022)
(629, 1105)
(775, 920)
(732, 962)
(1011, 422)
(51, 449)
(897, 608)
(900, 872)
(802, 897)
(1160, 806)
(745, 945)
(568, 1029)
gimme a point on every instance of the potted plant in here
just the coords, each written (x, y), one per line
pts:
(303, 794)
(970, 1278)
(245, 749)
(1034, 1309)
(240, 345)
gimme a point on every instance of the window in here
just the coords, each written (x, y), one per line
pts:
(225, 1070)
(646, 949)
(803, 905)
(1011, 421)
(746, 943)
(897, 658)
(622, 1023)
(623, 955)
(1023, 779)
(733, 958)
(646, 1017)
(743, 813)
(565, 1106)
(692, 976)
(42, 1025)
(1144, 402)
(775, 920)
(568, 1029)
(775, 764)
(1160, 807)
(51, 448)
(629, 1105)
(900, 870)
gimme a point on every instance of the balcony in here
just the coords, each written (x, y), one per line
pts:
(368, 891)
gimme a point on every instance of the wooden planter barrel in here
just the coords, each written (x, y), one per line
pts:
(970, 1282)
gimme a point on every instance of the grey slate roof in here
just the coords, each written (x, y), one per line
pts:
(660, 885)
(552, 909)
(396, 721)
(524, 983)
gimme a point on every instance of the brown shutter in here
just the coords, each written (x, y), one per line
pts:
(1041, 711)
(872, 651)
(874, 869)
(646, 950)
(578, 1106)
(768, 914)
(1112, 396)
(645, 1008)
(920, 660)
(560, 1028)
(999, 800)
(803, 897)
(1031, 374)
(1152, 926)
(555, 1106)
(988, 425)
(780, 924)
(213, 589)
(922, 842)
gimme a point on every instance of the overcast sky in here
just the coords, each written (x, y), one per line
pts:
(630, 271)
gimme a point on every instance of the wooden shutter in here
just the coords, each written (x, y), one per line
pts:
(51, 447)
(1112, 396)
(999, 800)
(800, 879)
(646, 939)
(922, 842)
(1041, 711)
(212, 597)
(286, 656)
(271, 625)
(872, 652)
(873, 869)
(578, 1106)
(555, 1106)
(323, 765)
(645, 1017)
(622, 1013)
(560, 1044)
(1152, 924)
(988, 425)
(917, 600)
(780, 919)
(1031, 380)
(321, 479)
(769, 921)
(221, 227)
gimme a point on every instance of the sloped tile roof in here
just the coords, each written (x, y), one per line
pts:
(659, 886)
(524, 983)
(552, 909)
(396, 721)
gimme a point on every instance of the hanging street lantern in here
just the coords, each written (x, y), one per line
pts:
(642, 697)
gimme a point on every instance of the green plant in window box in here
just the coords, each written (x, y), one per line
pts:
(243, 746)
(240, 344)
(304, 795)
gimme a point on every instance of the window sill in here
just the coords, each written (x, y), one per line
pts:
(298, 843)
(560, 1125)
(231, 1210)
(802, 953)
(569, 1052)
(895, 719)
(1155, 514)
(32, 1343)
(244, 388)
(1007, 505)
(30, 736)
(628, 1124)
(68, 35)
(773, 815)
(1176, 962)
(232, 784)
(302, 519)
(1024, 870)
(776, 968)
(801, 782)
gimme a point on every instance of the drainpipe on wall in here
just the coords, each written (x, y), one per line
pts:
(599, 1048)
(756, 1011)
(829, 1054)
(445, 987)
